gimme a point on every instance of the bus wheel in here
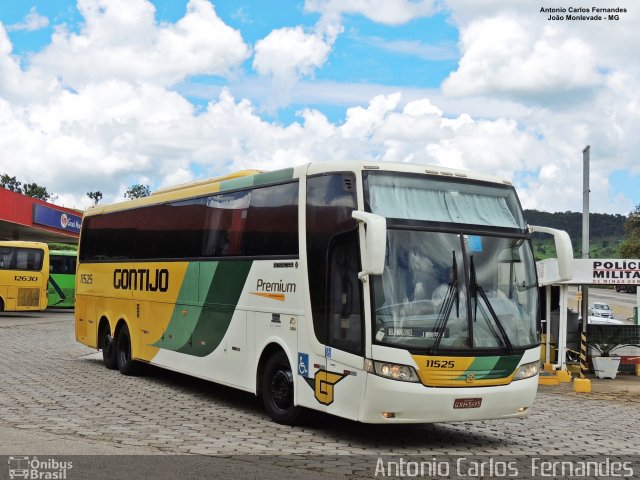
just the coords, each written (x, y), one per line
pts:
(277, 390)
(124, 359)
(108, 347)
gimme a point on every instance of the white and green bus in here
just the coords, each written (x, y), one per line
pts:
(378, 292)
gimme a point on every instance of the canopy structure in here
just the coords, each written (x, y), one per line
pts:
(27, 218)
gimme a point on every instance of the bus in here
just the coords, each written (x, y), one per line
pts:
(62, 278)
(24, 272)
(378, 292)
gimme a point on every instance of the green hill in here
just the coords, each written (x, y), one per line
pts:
(605, 232)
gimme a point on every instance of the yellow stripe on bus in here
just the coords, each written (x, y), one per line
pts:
(273, 296)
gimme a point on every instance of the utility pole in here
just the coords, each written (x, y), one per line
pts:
(582, 384)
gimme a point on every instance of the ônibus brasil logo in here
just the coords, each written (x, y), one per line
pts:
(34, 468)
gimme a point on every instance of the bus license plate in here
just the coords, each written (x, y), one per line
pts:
(467, 403)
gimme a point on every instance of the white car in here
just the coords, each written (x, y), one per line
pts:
(598, 309)
(604, 321)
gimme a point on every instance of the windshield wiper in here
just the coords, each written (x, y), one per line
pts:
(452, 296)
(476, 289)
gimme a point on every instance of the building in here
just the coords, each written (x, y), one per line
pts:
(27, 218)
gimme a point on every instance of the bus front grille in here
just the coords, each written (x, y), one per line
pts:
(28, 297)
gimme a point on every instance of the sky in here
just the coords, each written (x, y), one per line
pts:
(99, 95)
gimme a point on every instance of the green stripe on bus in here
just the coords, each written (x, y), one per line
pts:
(220, 304)
(507, 364)
(235, 183)
(273, 177)
(479, 367)
(180, 328)
(492, 367)
(257, 180)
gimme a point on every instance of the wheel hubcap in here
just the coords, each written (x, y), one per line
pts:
(282, 389)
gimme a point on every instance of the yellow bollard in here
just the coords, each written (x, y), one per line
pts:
(563, 376)
(582, 385)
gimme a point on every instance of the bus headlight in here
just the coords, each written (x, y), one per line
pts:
(527, 370)
(394, 371)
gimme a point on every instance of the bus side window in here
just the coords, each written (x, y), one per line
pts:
(331, 199)
(345, 298)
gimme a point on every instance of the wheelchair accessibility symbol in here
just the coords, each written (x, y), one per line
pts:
(303, 364)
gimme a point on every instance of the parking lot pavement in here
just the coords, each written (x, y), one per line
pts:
(624, 388)
(55, 388)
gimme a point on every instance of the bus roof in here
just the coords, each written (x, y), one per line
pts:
(23, 244)
(249, 178)
(207, 181)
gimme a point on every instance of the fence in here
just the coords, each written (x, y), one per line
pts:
(617, 335)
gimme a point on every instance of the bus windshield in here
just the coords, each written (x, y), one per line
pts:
(423, 198)
(453, 289)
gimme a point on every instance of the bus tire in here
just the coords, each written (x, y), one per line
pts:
(277, 390)
(108, 347)
(124, 359)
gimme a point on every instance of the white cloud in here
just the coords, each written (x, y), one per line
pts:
(120, 39)
(290, 53)
(287, 54)
(426, 51)
(17, 85)
(109, 135)
(577, 82)
(388, 12)
(96, 138)
(527, 96)
(32, 21)
(504, 55)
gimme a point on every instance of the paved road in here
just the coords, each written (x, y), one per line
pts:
(56, 397)
(607, 295)
(621, 303)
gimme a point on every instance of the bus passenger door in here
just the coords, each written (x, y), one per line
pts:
(344, 382)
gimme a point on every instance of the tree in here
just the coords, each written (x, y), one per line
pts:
(95, 196)
(630, 247)
(36, 191)
(137, 191)
(29, 189)
(10, 183)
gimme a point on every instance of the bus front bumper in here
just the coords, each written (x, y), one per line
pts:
(391, 401)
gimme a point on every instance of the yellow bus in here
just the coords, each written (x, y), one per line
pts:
(24, 273)
(378, 292)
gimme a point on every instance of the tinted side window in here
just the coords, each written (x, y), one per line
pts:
(5, 258)
(62, 264)
(272, 221)
(21, 259)
(258, 222)
(330, 201)
(108, 237)
(345, 318)
(170, 231)
(224, 224)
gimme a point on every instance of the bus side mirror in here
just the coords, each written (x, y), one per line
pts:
(375, 243)
(564, 250)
